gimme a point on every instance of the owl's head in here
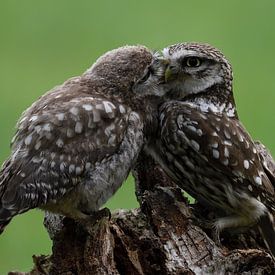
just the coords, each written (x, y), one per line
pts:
(194, 67)
(118, 69)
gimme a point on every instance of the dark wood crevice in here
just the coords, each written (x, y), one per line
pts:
(158, 238)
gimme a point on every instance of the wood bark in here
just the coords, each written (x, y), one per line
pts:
(163, 236)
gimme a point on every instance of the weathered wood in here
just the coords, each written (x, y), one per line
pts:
(158, 238)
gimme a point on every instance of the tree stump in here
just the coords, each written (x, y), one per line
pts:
(160, 237)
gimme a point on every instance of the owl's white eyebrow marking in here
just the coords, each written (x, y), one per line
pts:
(246, 164)
(87, 107)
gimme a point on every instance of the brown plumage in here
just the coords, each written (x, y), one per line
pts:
(204, 147)
(76, 144)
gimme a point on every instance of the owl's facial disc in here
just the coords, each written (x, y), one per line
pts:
(191, 72)
(153, 78)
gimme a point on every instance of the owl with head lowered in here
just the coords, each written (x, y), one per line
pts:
(77, 143)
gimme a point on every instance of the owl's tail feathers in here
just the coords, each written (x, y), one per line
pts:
(266, 226)
(5, 218)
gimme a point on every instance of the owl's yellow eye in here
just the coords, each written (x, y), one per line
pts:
(193, 61)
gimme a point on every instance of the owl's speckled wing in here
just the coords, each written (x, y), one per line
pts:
(267, 161)
(59, 140)
(220, 141)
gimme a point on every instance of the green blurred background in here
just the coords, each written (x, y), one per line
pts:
(43, 43)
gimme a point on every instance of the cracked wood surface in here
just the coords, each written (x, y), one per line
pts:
(160, 237)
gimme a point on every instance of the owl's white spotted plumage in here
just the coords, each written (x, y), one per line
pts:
(204, 147)
(76, 145)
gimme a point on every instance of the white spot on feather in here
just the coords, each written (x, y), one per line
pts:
(78, 170)
(60, 142)
(226, 133)
(37, 145)
(74, 111)
(60, 116)
(225, 162)
(88, 165)
(108, 106)
(47, 127)
(62, 166)
(216, 153)
(227, 142)
(33, 118)
(28, 140)
(71, 168)
(78, 127)
(258, 180)
(70, 133)
(195, 145)
(215, 145)
(87, 107)
(241, 138)
(199, 132)
(246, 164)
(226, 152)
(122, 109)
